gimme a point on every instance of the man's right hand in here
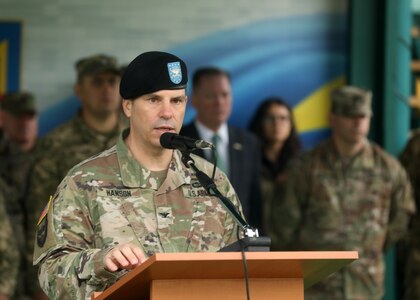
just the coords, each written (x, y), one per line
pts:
(125, 256)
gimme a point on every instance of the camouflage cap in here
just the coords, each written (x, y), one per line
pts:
(153, 71)
(350, 101)
(95, 64)
(18, 103)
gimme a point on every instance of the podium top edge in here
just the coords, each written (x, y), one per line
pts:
(281, 255)
(309, 265)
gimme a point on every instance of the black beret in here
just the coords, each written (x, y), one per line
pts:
(153, 71)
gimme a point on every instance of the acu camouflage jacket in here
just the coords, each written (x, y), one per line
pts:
(111, 199)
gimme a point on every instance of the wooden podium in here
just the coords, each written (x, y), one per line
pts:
(205, 276)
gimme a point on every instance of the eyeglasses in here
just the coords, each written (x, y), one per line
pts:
(273, 119)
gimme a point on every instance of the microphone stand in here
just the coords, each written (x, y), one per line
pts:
(252, 241)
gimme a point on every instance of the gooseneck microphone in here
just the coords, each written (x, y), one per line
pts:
(170, 140)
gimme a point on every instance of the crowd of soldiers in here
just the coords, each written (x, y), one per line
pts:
(28, 185)
(345, 194)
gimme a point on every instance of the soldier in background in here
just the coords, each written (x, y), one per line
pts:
(20, 120)
(17, 147)
(19, 138)
(410, 159)
(117, 208)
(9, 257)
(346, 194)
(94, 129)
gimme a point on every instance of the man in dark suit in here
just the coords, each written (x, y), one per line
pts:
(238, 151)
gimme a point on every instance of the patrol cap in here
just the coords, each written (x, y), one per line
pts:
(95, 64)
(350, 101)
(153, 71)
(18, 103)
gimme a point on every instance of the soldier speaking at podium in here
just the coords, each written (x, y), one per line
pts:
(117, 208)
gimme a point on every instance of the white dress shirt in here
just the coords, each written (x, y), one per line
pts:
(223, 146)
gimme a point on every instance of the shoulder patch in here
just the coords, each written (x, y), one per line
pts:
(41, 233)
(45, 211)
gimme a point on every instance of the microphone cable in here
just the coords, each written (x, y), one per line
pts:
(245, 264)
(244, 261)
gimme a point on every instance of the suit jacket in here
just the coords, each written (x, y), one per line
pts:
(244, 169)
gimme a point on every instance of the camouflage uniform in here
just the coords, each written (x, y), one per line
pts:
(334, 203)
(110, 199)
(56, 154)
(15, 166)
(72, 142)
(9, 257)
(410, 159)
(59, 151)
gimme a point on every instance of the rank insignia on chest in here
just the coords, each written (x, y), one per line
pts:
(164, 217)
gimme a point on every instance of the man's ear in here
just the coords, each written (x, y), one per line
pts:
(127, 106)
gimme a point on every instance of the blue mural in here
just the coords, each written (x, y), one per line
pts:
(291, 57)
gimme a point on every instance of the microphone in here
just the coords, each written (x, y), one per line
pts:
(171, 140)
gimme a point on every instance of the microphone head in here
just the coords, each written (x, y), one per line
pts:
(166, 140)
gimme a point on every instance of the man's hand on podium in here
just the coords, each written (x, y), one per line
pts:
(125, 256)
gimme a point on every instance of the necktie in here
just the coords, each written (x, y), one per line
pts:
(221, 164)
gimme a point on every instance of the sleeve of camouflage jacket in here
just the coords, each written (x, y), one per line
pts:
(9, 256)
(402, 205)
(410, 159)
(70, 266)
(43, 182)
(286, 213)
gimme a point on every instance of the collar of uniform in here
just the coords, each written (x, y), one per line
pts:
(134, 174)
(362, 160)
(177, 175)
(90, 134)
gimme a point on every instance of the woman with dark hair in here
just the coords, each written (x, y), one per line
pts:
(273, 124)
